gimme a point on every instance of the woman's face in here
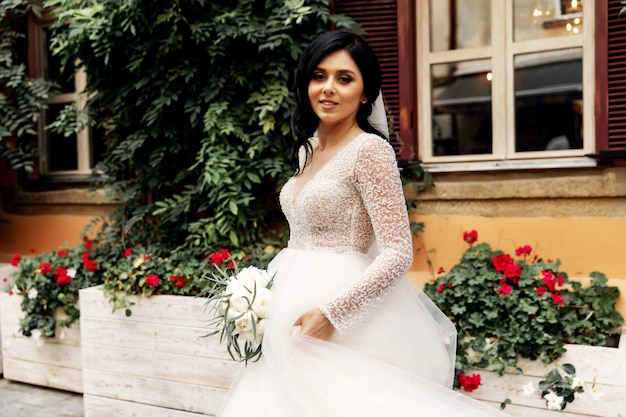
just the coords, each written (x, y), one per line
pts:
(336, 89)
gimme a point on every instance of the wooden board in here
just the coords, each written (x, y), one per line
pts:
(6, 283)
(153, 362)
(54, 363)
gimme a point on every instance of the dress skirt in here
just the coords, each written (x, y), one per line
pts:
(398, 363)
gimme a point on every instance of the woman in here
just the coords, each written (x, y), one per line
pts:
(348, 334)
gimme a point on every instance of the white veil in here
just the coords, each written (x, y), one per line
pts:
(378, 117)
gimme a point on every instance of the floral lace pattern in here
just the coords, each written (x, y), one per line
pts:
(352, 201)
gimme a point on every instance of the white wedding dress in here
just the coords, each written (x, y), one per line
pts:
(393, 350)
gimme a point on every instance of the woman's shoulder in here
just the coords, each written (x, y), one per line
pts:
(372, 143)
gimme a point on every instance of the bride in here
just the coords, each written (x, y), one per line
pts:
(348, 334)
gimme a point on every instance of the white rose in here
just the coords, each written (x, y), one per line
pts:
(221, 305)
(240, 302)
(251, 275)
(244, 323)
(252, 336)
(260, 330)
(234, 286)
(32, 293)
(262, 302)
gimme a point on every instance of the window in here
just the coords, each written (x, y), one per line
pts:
(61, 156)
(505, 83)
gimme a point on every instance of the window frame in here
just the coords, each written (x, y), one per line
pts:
(503, 155)
(39, 68)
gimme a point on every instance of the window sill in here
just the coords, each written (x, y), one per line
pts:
(510, 165)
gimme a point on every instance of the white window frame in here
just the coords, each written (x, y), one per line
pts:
(503, 154)
(83, 145)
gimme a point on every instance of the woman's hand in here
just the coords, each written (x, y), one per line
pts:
(314, 323)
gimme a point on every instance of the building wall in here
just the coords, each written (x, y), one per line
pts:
(577, 216)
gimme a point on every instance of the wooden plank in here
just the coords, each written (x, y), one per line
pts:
(63, 378)
(160, 365)
(190, 311)
(107, 407)
(54, 363)
(182, 396)
(118, 332)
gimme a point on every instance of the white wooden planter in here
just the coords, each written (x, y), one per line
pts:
(605, 366)
(54, 363)
(6, 282)
(154, 363)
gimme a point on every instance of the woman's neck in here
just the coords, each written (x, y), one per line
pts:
(330, 137)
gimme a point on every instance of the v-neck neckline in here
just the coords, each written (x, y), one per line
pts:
(294, 196)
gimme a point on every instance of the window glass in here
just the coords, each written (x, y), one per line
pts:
(62, 152)
(461, 108)
(548, 101)
(460, 24)
(53, 70)
(541, 19)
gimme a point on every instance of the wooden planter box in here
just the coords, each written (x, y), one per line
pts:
(54, 363)
(6, 282)
(607, 366)
(155, 362)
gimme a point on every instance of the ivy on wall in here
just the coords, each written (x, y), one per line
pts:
(193, 100)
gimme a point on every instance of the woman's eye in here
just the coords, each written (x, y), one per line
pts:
(318, 77)
(345, 79)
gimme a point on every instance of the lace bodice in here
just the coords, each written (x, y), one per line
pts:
(352, 201)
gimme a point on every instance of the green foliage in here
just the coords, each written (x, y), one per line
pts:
(192, 98)
(508, 307)
(559, 389)
(22, 98)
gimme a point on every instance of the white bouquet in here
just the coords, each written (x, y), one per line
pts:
(240, 304)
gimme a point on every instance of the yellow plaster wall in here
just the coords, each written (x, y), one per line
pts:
(42, 233)
(583, 245)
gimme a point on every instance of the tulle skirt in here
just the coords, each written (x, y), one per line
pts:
(400, 362)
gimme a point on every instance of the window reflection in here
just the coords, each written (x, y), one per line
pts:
(460, 24)
(461, 108)
(541, 19)
(548, 101)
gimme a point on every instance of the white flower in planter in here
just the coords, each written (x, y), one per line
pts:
(553, 401)
(32, 293)
(529, 389)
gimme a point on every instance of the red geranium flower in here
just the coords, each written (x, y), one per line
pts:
(548, 279)
(441, 271)
(469, 383)
(557, 298)
(178, 281)
(127, 252)
(523, 250)
(513, 271)
(220, 256)
(62, 253)
(45, 268)
(15, 261)
(540, 290)
(440, 288)
(500, 262)
(88, 243)
(470, 237)
(90, 265)
(152, 280)
(63, 279)
(504, 289)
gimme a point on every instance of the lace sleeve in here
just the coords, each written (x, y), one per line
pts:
(378, 180)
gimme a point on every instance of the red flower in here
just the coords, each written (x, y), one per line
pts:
(440, 288)
(32, 250)
(470, 237)
(501, 262)
(178, 281)
(145, 257)
(88, 243)
(557, 298)
(90, 265)
(504, 289)
(559, 279)
(15, 261)
(127, 252)
(523, 250)
(86, 256)
(540, 290)
(469, 383)
(5, 279)
(152, 280)
(441, 271)
(513, 271)
(62, 253)
(548, 279)
(45, 268)
(62, 277)
(220, 256)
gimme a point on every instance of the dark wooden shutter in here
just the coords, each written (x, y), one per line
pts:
(388, 24)
(610, 66)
